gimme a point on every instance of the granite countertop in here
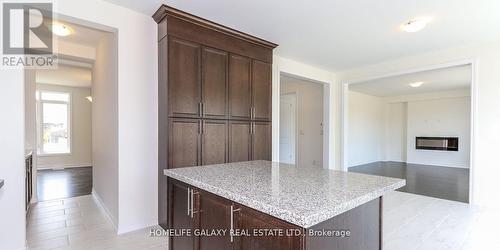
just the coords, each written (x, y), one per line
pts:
(304, 196)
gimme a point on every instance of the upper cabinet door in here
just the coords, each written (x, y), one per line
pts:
(214, 83)
(239, 87)
(213, 142)
(261, 90)
(184, 88)
(261, 141)
(184, 143)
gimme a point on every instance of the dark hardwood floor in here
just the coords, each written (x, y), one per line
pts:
(435, 181)
(64, 183)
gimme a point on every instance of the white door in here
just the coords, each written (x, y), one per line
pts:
(288, 132)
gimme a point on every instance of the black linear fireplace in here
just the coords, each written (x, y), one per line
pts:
(437, 143)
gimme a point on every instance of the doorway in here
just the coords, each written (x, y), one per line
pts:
(301, 121)
(416, 125)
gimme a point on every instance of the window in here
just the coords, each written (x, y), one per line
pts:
(53, 109)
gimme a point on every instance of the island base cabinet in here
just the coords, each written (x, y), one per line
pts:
(179, 215)
(214, 217)
(257, 224)
(210, 219)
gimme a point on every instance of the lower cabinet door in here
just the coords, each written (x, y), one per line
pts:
(214, 142)
(179, 217)
(213, 222)
(263, 230)
(184, 143)
(239, 141)
(261, 141)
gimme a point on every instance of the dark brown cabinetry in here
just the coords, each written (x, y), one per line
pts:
(214, 95)
(242, 228)
(240, 102)
(261, 90)
(179, 214)
(261, 141)
(250, 220)
(214, 83)
(201, 212)
(184, 78)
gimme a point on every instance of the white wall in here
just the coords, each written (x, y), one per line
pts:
(80, 129)
(442, 117)
(104, 126)
(12, 215)
(395, 131)
(485, 171)
(310, 119)
(366, 126)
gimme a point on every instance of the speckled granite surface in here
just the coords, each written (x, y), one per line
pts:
(304, 196)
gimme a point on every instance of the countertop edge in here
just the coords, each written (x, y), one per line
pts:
(302, 221)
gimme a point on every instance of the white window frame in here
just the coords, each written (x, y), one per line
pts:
(39, 121)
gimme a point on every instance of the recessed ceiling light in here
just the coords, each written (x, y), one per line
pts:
(416, 24)
(416, 84)
(61, 29)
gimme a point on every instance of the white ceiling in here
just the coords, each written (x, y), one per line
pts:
(339, 34)
(82, 35)
(435, 80)
(66, 76)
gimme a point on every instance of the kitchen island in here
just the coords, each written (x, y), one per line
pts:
(265, 205)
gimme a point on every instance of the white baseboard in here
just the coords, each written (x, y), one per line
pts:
(103, 208)
(131, 228)
(42, 167)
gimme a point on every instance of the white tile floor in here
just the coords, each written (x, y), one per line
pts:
(78, 223)
(410, 222)
(419, 222)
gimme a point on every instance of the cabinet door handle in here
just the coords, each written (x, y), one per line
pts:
(202, 127)
(199, 127)
(202, 112)
(189, 201)
(199, 108)
(231, 232)
(192, 202)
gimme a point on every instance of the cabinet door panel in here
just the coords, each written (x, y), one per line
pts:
(261, 141)
(239, 87)
(214, 142)
(261, 90)
(239, 141)
(184, 138)
(184, 87)
(214, 213)
(178, 216)
(251, 221)
(214, 83)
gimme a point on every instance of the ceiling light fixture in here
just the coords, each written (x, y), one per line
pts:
(416, 84)
(61, 29)
(416, 24)
(89, 98)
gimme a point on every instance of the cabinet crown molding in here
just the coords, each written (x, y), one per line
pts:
(166, 10)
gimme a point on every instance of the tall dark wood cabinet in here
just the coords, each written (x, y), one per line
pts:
(214, 99)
